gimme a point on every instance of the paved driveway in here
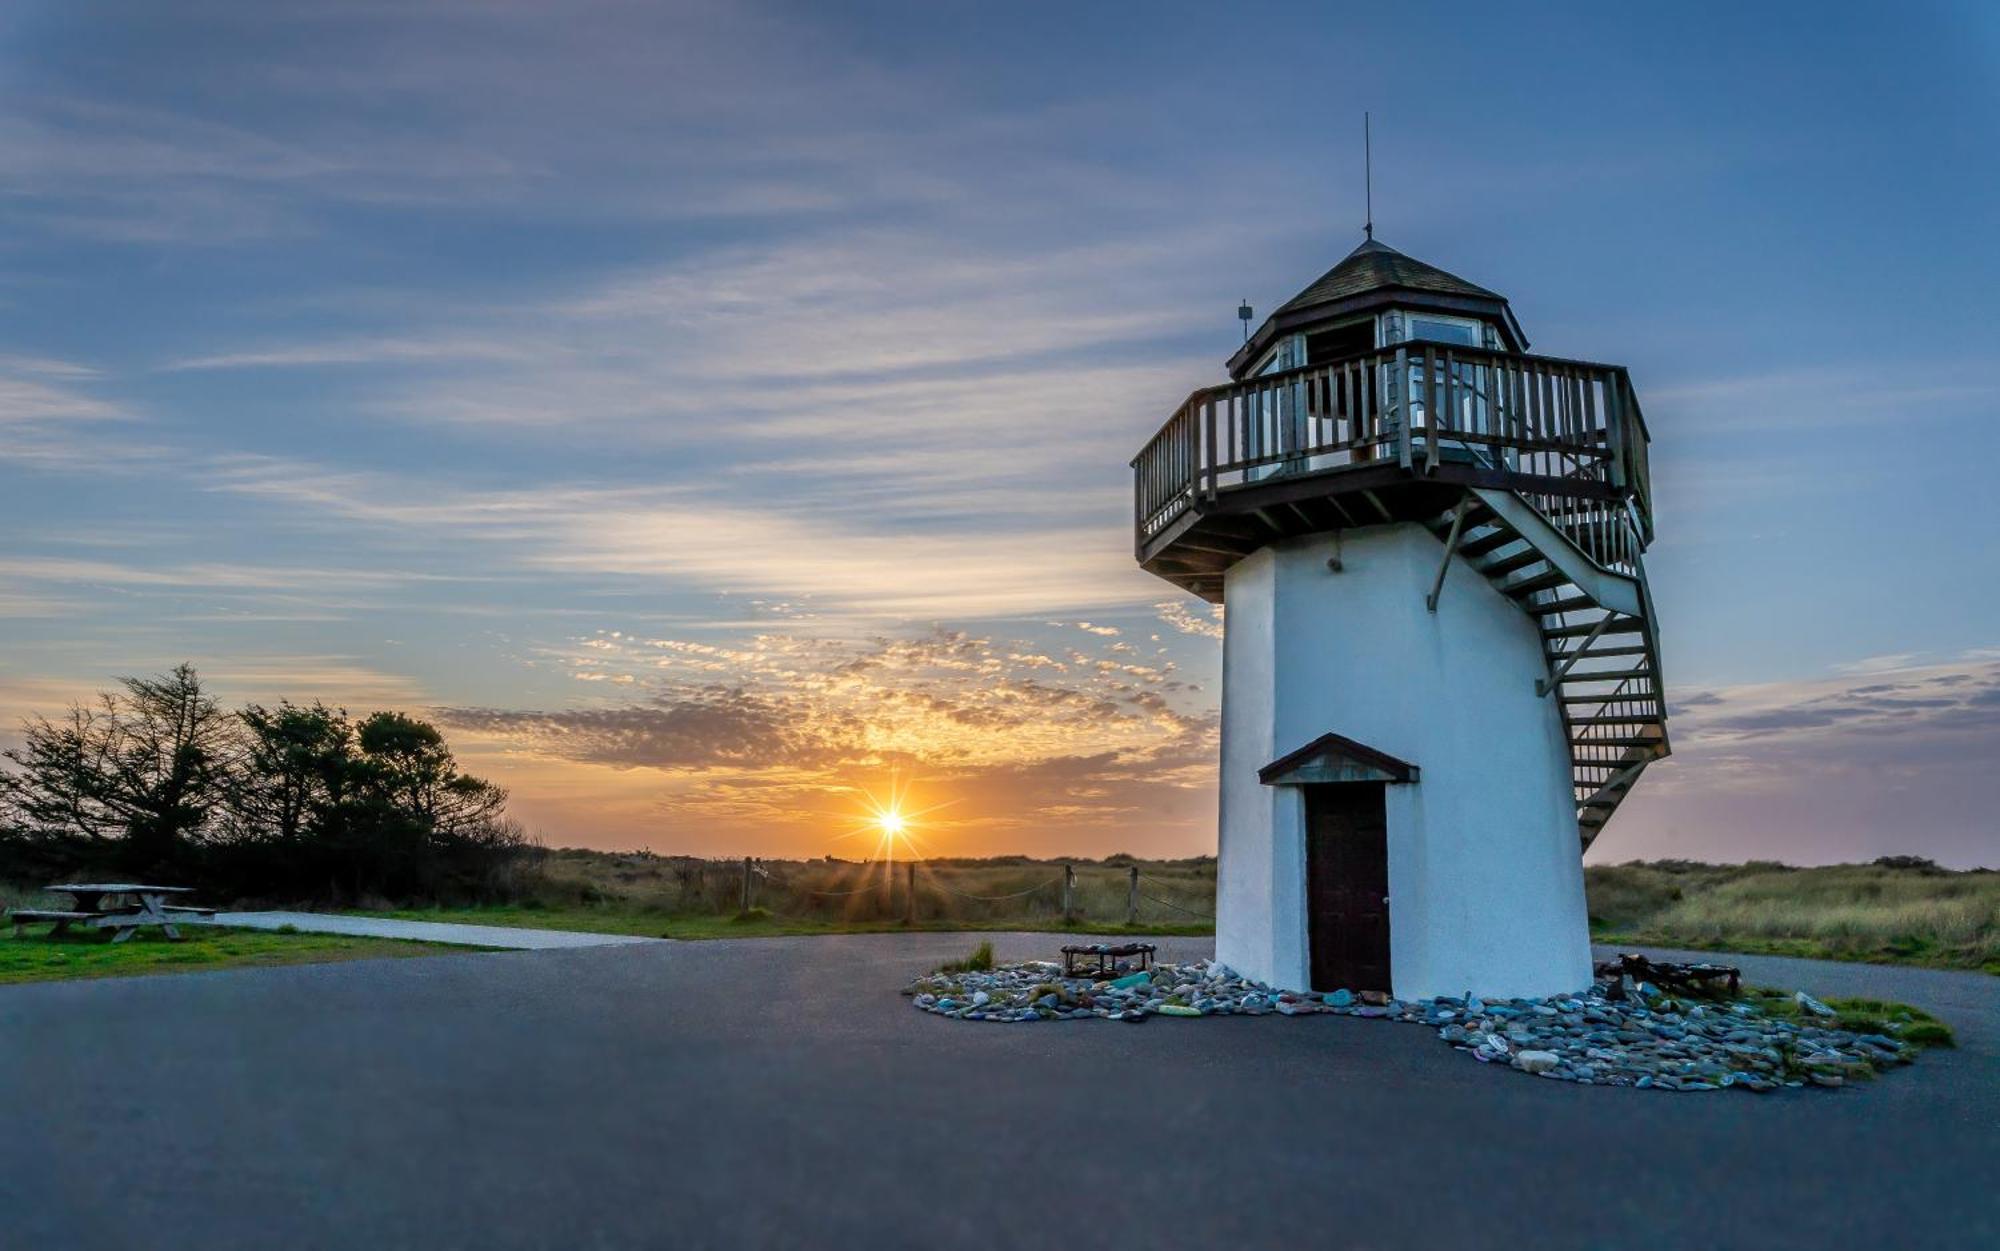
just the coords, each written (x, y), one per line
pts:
(458, 935)
(780, 1092)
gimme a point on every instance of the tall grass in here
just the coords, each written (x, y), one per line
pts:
(1902, 910)
(996, 892)
(1853, 912)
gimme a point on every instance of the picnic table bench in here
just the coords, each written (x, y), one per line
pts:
(145, 905)
(1711, 980)
(1104, 960)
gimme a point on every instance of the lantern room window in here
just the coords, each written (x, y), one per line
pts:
(1461, 331)
(1356, 338)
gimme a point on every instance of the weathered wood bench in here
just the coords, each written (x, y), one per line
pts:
(149, 908)
(1104, 960)
(1701, 980)
(23, 917)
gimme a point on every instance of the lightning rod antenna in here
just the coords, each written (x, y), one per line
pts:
(1368, 172)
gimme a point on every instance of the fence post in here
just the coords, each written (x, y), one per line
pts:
(1132, 899)
(746, 883)
(1069, 893)
(912, 917)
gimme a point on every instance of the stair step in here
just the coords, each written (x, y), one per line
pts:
(1601, 653)
(1540, 582)
(1575, 603)
(1475, 517)
(1473, 549)
(1611, 742)
(1509, 564)
(1572, 701)
(1630, 625)
(1642, 718)
(1618, 675)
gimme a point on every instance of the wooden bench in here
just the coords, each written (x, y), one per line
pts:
(148, 906)
(22, 917)
(1102, 960)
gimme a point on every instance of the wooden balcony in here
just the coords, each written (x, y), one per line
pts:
(1396, 434)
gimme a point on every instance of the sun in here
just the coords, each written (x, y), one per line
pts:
(888, 821)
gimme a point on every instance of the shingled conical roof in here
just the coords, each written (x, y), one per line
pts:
(1375, 266)
(1372, 277)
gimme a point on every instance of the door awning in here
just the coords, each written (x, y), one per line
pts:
(1333, 758)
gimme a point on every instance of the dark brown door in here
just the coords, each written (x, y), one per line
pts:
(1347, 885)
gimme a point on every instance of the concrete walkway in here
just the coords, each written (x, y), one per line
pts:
(504, 936)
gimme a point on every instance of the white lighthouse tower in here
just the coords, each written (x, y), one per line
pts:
(1441, 662)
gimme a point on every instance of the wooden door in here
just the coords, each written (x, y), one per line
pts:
(1347, 885)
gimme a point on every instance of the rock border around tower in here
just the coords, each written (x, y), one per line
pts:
(1649, 1040)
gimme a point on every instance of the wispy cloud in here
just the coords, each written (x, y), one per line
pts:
(26, 400)
(772, 731)
(704, 539)
(1838, 394)
(1179, 616)
(379, 351)
(53, 416)
(1840, 767)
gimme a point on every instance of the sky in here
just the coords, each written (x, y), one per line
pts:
(716, 414)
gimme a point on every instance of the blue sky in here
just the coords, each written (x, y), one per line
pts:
(710, 410)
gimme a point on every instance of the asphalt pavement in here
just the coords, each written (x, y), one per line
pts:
(781, 1092)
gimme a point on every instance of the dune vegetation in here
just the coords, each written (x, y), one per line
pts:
(687, 897)
(1897, 910)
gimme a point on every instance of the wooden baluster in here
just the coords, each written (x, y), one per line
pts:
(1580, 419)
(1587, 405)
(1559, 407)
(1368, 414)
(1538, 394)
(1552, 410)
(1231, 422)
(1208, 444)
(1516, 419)
(1614, 429)
(1401, 397)
(1434, 387)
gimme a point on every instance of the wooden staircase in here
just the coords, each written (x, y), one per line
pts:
(1600, 636)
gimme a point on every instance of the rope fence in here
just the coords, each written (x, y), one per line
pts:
(1019, 894)
(1206, 916)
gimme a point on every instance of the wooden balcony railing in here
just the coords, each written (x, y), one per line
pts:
(1547, 420)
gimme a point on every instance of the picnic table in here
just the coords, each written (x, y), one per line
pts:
(138, 904)
(1104, 960)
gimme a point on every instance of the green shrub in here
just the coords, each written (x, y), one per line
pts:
(980, 961)
(1929, 1034)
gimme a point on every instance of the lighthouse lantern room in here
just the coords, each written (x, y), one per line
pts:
(1441, 662)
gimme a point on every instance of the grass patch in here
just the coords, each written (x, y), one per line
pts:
(1858, 1016)
(38, 957)
(1898, 912)
(980, 961)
